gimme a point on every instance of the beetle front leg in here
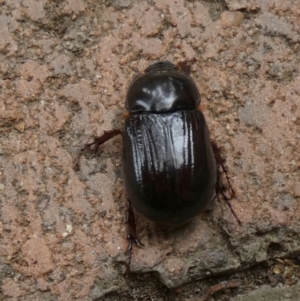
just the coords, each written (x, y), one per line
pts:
(132, 233)
(221, 188)
(99, 141)
(186, 66)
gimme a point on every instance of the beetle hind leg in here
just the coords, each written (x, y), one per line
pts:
(132, 233)
(221, 187)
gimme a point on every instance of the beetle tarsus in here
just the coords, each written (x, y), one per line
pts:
(221, 188)
(98, 141)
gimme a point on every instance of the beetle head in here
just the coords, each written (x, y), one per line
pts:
(161, 66)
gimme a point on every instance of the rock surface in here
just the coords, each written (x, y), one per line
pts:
(64, 70)
(266, 293)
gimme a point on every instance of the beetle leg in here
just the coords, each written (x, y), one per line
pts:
(99, 141)
(132, 234)
(221, 188)
(185, 66)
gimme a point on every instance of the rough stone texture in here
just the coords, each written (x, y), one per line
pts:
(243, 4)
(65, 67)
(266, 293)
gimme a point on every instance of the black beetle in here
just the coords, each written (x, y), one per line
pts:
(171, 168)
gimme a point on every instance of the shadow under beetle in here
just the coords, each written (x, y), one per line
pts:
(171, 168)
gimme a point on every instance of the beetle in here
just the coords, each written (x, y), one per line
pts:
(171, 168)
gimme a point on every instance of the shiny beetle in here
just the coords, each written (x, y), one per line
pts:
(171, 168)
